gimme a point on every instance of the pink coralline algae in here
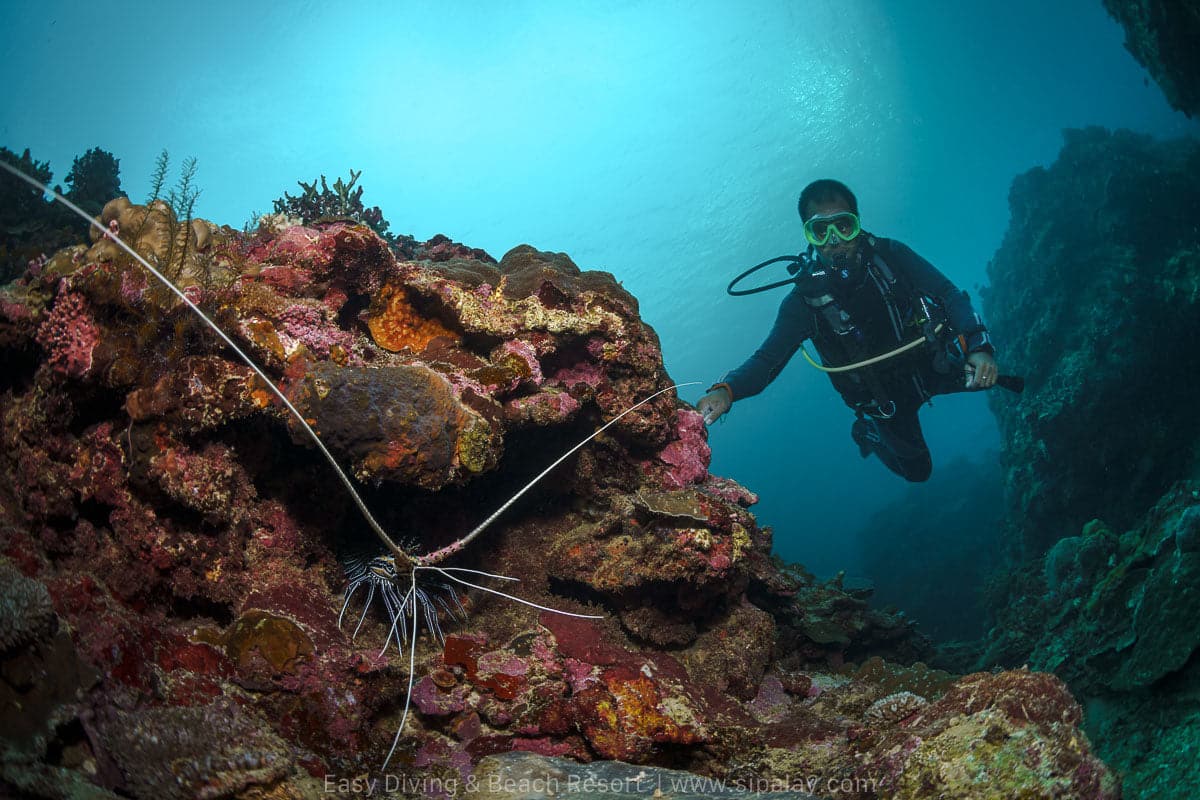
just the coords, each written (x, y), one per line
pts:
(689, 455)
(729, 490)
(133, 286)
(435, 701)
(307, 325)
(69, 335)
(298, 246)
(585, 374)
(526, 355)
(210, 481)
(542, 408)
(13, 311)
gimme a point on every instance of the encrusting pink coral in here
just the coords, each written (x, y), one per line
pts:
(688, 455)
(69, 334)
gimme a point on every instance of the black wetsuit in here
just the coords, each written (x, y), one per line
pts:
(885, 397)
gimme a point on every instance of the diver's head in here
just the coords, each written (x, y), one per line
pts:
(830, 214)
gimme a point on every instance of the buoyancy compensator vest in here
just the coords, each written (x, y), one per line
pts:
(860, 310)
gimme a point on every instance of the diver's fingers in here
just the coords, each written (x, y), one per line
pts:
(989, 374)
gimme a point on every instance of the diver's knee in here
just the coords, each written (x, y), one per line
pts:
(918, 472)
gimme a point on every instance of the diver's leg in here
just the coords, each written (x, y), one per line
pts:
(898, 442)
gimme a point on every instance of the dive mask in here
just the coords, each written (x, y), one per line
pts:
(823, 229)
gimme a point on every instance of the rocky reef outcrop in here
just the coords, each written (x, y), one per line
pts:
(179, 627)
(1096, 297)
(1162, 35)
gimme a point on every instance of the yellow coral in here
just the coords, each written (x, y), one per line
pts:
(476, 446)
(396, 325)
(741, 541)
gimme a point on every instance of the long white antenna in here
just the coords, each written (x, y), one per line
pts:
(362, 506)
(454, 547)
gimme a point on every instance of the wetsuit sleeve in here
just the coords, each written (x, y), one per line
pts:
(792, 326)
(930, 281)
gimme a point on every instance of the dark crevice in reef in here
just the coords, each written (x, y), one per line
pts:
(199, 609)
(18, 366)
(92, 407)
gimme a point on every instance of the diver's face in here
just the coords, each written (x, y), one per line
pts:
(835, 251)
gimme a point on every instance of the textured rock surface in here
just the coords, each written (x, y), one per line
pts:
(1094, 293)
(26, 613)
(1095, 296)
(1162, 36)
(193, 542)
(525, 776)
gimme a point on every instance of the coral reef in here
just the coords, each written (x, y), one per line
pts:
(1094, 279)
(1103, 495)
(94, 179)
(25, 610)
(193, 542)
(184, 752)
(1161, 35)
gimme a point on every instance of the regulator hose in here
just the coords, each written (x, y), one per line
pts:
(756, 268)
(904, 348)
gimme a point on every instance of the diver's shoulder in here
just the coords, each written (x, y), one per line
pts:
(895, 252)
(886, 244)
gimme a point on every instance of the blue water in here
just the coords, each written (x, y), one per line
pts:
(665, 142)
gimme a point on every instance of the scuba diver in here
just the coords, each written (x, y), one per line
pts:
(890, 329)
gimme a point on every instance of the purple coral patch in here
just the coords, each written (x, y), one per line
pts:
(689, 455)
(69, 335)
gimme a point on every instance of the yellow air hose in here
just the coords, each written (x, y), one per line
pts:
(873, 360)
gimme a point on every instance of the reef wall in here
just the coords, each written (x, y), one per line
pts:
(1162, 36)
(1096, 297)
(175, 549)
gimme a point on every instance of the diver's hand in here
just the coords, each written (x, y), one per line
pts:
(981, 370)
(714, 404)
